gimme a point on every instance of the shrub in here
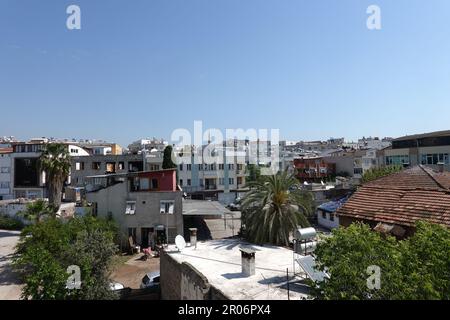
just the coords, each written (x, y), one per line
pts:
(10, 223)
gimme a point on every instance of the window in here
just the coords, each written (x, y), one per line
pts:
(131, 207)
(144, 184)
(239, 167)
(201, 182)
(231, 180)
(181, 167)
(121, 165)
(181, 182)
(110, 167)
(221, 181)
(155, 184)
(332, 217)
(230, 166)
(357, 170)
(167, 206)
(188, 182)
(435, 158)
(393, 160)
(4, 185)
(189, 167)
(5, 170)
(96, 165)
(239, 180)
(200, 167)
(79, 166)
(324, 215)
(221, 166)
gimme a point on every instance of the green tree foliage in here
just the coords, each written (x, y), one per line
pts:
(415, 268)
(55, 162)
(253, 173)
(10, 223)
(167, 160)
(274, 207)
(48, 248)
(375, 173)
(37, 211)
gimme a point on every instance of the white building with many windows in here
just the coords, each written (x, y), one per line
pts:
(432, 149)
(5, 174)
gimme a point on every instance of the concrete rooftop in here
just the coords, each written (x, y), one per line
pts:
(220, 262)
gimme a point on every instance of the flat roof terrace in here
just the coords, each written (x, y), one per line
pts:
(220, 262)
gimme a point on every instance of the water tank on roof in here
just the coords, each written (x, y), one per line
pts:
(305, 234)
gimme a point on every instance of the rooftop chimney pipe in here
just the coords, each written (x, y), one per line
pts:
(248, 261)
(193, 239)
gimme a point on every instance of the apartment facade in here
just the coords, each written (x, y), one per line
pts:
(146, 205)
(431, 149)
(199, 177)
(94, 165)
(5, 174)
(313, 169)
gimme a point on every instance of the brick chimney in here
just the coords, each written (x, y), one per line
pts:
(248, 261)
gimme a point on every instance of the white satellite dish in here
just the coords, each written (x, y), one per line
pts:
(180, 243)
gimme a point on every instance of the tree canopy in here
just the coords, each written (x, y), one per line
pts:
(55, 162)
(414, 268)
(274, 207)
(167, 160)
(47, 249)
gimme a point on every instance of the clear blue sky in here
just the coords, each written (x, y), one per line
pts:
(142, 68)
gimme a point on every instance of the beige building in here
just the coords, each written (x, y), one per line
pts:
(146, 205)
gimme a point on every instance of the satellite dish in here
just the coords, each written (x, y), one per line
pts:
(180, 243)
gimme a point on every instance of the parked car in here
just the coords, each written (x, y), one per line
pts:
(234, 207)
(150, 280)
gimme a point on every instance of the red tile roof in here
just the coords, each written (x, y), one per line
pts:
(403, 198)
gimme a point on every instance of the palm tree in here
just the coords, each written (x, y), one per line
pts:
(274, 207)
(55, 162)
(36, 211)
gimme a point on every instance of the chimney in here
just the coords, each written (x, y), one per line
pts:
(193, 238)
(248, 261)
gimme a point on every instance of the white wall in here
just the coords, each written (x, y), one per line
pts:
(326, 222)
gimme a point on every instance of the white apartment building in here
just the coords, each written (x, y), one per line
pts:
(148, 145)
(225, 174)
(5, 174)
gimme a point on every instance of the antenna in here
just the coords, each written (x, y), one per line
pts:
(180, 243)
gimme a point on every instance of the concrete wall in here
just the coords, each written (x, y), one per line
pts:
(181, 281)
(343, 164)
(326, 222)
(11, 209)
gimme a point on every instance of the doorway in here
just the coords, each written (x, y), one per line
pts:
(145, 237)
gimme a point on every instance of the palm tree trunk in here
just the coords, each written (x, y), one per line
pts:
(55, 193)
